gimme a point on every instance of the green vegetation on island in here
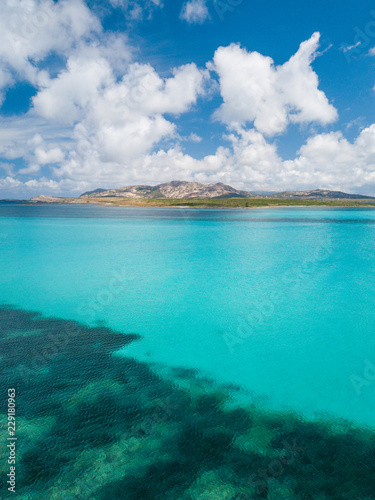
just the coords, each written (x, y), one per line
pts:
(229, 202)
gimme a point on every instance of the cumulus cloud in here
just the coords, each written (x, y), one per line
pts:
(256, 91)
(331, 160)
(10, 183)
(114, 121)
(64, 98)
(32, 29)
(48, 156)
(195, 12)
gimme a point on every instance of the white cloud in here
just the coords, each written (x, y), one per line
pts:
(325, 161)
(114, 121)
(137, 10)
(32, 29)
(9, 183)
(63, 99)
(32, 169)
(195, 12)
(20, 136)
(255, 90)
(194, 138)
(43, 183)
(348, 48)
(47, 156)
(143, 90)
(88, 87)
(331, 160)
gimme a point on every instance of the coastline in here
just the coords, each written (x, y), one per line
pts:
(206, 203)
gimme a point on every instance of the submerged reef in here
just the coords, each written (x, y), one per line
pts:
(93, 425)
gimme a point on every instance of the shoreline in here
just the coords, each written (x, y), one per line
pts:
(202, 203)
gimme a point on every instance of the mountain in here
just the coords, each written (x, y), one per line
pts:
(174, 189)
(319, 194)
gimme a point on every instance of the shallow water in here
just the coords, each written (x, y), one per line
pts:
(93, 426)
(278, 301)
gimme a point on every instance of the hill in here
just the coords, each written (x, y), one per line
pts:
(173, 189)
(187, 190)
(319, 194)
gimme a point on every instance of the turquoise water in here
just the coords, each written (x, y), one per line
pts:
(277, 301)
(93, 426)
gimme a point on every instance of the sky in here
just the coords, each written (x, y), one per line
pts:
(264, 96)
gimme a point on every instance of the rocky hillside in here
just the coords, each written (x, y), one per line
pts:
(319, 194)
(174, 189)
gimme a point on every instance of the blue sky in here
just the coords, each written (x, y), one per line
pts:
(260, 95)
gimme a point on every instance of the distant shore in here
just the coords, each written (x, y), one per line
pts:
(203, 203)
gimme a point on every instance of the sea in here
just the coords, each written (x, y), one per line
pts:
(171, 353)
